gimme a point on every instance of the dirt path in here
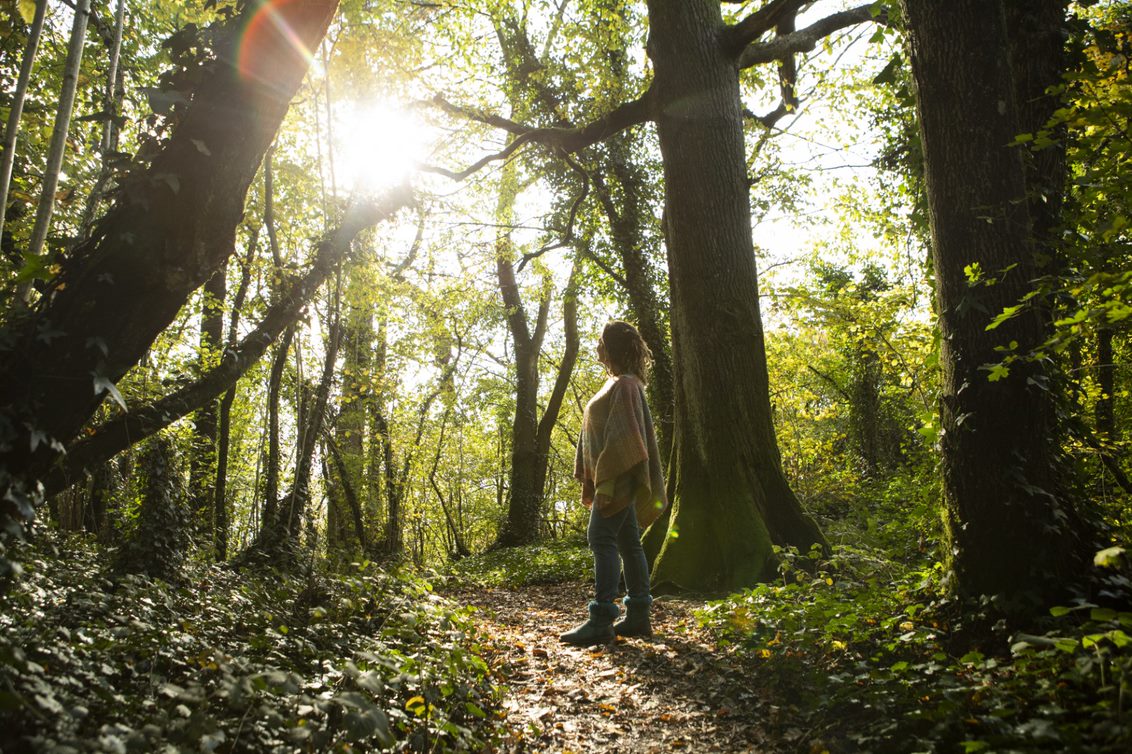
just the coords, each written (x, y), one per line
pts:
(674, 692)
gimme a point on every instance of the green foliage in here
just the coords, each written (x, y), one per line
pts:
(873, 652)
(234, 661)
(552, 563)
(159, 540)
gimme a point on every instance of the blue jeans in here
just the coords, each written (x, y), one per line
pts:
(613, 540)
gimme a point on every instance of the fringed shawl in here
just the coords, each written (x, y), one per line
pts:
(618, 443)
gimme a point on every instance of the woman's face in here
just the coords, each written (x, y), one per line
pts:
(603, 357)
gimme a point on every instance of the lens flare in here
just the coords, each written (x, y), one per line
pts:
(270, 46)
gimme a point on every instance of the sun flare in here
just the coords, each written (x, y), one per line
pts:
(379, 144)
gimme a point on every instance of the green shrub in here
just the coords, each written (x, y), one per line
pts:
(876, 656)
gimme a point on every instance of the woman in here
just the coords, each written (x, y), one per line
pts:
(622, 485)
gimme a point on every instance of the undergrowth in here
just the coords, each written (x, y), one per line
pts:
(862, 651)
(234, 662)
(550, 563)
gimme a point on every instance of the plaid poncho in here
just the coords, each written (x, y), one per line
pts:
(618, 445)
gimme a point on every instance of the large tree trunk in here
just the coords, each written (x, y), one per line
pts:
(169, 231)
(732, 502)
(1008, 530)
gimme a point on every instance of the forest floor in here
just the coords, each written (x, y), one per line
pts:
(676, 691)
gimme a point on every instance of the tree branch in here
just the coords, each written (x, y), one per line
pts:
(568, 140)
(736, 38)
(781, 48)
(568, 233)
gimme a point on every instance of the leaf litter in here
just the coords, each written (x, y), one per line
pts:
(676, 691)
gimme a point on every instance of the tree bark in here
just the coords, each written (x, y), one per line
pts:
(12, 127)
(1008, 529)
(169, 231)
(58, 146)
(732, 501)
(202, 464)
(224, 431)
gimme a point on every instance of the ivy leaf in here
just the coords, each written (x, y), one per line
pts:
(102, 384)
(1109, 557)
(998, 372)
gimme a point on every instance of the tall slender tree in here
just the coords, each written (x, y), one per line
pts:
(12, 126)
(57, 149)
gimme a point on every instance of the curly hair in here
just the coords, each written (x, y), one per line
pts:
(626, 349)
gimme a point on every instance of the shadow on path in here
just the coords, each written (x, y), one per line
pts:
(673, 692)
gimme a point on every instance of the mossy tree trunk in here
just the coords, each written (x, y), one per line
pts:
(732, 502)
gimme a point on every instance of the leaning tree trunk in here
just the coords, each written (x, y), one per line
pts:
(118, 433)
(732, 502)
(169, 231)
(1008, 530)
(12, 127)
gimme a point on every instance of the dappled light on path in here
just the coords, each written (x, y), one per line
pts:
(673, 692)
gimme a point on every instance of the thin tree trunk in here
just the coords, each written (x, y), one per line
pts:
(12, 128)
(298, 501)
(349, 492)
(274, 461)
(459, 548)
(220, 495)
(1106, 382)
(202, 463)
(109, 141)
(549, 417)
(58, 146)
